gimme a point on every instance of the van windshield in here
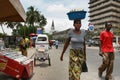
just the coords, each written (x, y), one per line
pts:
(41, 39)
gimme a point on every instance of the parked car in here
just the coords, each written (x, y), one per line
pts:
(90, 42)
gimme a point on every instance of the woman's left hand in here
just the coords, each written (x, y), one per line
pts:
(61, 57)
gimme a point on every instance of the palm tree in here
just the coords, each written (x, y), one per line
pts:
(34, 17)
(10, 25)
(43, 21)
(18, 25)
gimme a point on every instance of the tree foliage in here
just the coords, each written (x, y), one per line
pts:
(33, 21)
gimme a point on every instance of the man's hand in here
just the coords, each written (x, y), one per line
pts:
(61, 57)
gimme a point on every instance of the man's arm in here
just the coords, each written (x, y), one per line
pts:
(84, 49)
(100, 51)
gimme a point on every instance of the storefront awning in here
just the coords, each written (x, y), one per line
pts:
(12, 11)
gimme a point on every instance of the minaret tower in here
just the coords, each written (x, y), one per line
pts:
(52, 27)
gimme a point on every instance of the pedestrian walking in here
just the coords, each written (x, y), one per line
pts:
(106, 51)
(77, 51)
(50, 44)
(56, 44)
(23, 46)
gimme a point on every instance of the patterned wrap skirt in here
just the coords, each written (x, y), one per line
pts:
(76, 59)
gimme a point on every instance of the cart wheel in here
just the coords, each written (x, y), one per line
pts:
(49, 61)
(34, 62)
(25, 79)
(16, 79)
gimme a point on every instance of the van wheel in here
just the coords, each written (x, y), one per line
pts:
(34, 62)
(49, 61)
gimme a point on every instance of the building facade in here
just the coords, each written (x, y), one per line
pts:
(101, 11)
(61, 35)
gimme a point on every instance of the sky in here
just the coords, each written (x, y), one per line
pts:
(56, 10)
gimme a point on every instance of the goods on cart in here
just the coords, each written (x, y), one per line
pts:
(16, 65)
(76, 14)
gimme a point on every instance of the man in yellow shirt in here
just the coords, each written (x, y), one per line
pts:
(23, 47)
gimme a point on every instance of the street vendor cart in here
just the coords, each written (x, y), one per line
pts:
(16, 65)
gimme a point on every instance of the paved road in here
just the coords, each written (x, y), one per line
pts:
(59, 70)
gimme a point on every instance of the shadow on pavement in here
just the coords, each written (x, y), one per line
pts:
(5, 77)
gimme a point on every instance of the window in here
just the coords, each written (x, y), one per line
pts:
(41, 39)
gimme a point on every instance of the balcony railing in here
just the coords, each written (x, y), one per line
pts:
(105, 14)
(104, 10)
(99, 6)
(97, 2)
(104, 4)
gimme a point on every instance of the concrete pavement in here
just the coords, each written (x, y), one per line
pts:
(90, 75)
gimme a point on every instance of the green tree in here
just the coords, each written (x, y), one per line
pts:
(10, 25)
(1, 24)
(14, 25)
(34, 17)
(17, 25)
(33, 21)
(42, 21)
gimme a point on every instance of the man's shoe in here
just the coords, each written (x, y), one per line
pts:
(108, 77)
(99, 73)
